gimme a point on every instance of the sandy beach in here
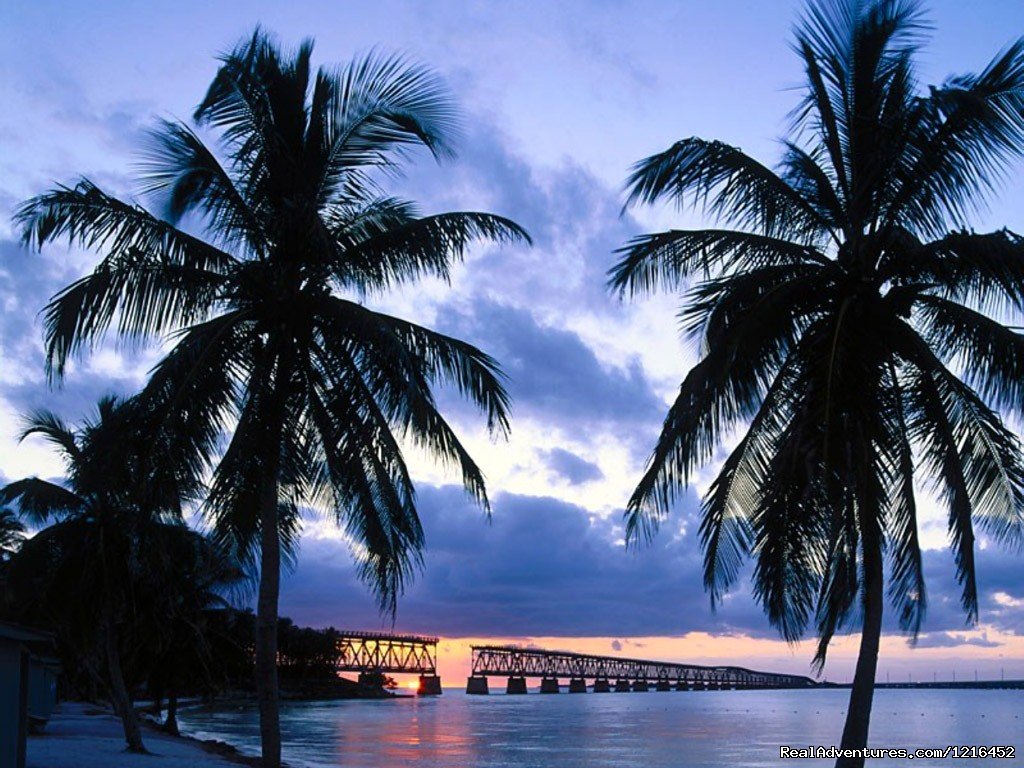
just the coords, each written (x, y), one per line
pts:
(87, 736)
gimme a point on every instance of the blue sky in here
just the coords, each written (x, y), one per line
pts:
(558, 99)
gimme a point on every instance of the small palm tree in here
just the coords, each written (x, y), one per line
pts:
(188, 582)
(852, 329)
(272, 339)
(103, 532)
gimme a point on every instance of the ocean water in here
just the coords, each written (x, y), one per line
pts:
(625, 730)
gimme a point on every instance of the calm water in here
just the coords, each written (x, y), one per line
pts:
(653, 730)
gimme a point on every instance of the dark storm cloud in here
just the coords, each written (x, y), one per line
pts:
(541, 566)
(546, 567)
(571, 467)
(553, 374)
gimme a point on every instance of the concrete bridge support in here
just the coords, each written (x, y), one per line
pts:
(663, 685)
(577, 685)
(640, 686)
(682, 685)
(601, 685)
(477, 685)
(622, 686)
(549, 685)
(516, 685)
(430, 685)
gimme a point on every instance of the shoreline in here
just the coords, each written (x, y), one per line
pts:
(216, 747)
(87, 735)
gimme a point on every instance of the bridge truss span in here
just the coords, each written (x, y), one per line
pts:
(519, 663)
(373, 654)
(380, 652)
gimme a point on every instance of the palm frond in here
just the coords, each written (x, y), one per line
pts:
(441, 359)
(418, 248)
(40, 501)
(370, 112)
(971, 129)
(238, 103)
(726, 532)
(667, 259)
(984, 270)
(729, 184)
(185, 174)
(55, 430)
(990, 355)
(907, 585)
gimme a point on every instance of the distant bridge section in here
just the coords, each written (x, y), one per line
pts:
(372, 654)
(611, 672)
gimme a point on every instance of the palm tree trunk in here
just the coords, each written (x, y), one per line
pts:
(858, 715)
(171, 723)
(267, 692)
(266, 633)
(119, 696)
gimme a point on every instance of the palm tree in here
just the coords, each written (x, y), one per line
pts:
(851, 328)
(272, 339)
(188, 582)
(105, 528)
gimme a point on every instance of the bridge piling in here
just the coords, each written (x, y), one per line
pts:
(476, 685)
(622, 686)
(640, 686)
(577, 685)
(430, 685)
(601, 685)
(549, 685)
(516, 685)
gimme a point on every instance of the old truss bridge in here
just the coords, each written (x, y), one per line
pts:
(610, 673)
(373, 654)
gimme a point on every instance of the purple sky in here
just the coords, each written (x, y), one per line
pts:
(558, 99)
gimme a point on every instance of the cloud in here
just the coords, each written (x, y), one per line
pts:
(553, 374)
(571, 467)
(27, 282)
(954, 640)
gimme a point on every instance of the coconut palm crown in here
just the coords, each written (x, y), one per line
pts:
(852, 330)
(256, 261)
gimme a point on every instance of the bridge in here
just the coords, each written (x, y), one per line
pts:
(611, 673)
(372, 654)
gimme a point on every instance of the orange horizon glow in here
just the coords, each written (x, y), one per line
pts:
(898, 661)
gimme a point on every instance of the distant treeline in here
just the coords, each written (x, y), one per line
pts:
(160, 663)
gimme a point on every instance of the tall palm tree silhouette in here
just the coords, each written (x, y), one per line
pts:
(852, 328)
(271, 338)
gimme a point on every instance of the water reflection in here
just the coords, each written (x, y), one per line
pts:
(653, 730)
